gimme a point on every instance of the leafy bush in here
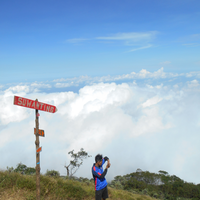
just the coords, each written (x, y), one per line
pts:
(52, 173)
(160, 185)
(22, 169)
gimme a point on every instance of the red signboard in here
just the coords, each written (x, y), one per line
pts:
(21, 101)
(40, 132)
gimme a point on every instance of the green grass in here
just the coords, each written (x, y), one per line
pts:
(23, 187)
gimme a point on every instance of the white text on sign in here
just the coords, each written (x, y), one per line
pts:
(20, 101)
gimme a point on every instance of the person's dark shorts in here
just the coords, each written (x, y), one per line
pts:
(103, 193)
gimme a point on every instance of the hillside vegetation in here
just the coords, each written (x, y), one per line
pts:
(15, 186)
(162, 185)
(20, 183)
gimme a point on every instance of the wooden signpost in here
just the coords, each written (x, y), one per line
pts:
(28, 103)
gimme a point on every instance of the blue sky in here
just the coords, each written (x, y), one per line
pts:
(60, 39)
(124, 76)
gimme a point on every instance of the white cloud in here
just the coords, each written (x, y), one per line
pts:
(139, 39)
(152, 101)
(146, 125)
(63, 85)
(188, 75)
(75, 80)
(131, 36)
(10, 113)
(40, 85)
(27, 88)
(150, 86)
(150, 121)
(146, 74)
(78, 82)
(19, 88)
(140, 48)
(193, 74)
(176, 86)
(96, 97)
(143, 74)
(159, 86)
(193, 83)
(134, 83)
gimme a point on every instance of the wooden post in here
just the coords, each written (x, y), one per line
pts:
(29, 103)
(37, 143)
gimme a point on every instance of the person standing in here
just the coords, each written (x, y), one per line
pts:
(99, 174)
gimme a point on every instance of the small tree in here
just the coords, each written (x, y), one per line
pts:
(76, 162)
(23, 169)
(52, 173)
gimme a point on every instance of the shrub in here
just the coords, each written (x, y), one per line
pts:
(52, 173)
(23, 169)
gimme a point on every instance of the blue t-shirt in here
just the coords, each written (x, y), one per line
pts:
(100, 183)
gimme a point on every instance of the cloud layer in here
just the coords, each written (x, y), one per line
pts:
(152, 127)
(143, 77)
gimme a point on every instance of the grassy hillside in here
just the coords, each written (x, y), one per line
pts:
(14, 186)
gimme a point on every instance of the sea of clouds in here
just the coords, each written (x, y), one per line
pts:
(147, 120)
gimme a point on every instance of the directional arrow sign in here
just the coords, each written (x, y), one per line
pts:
(40, 132)
(20, 101)
(38, 150)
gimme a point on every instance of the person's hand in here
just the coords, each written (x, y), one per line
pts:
(109, 162)
(108, 165)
